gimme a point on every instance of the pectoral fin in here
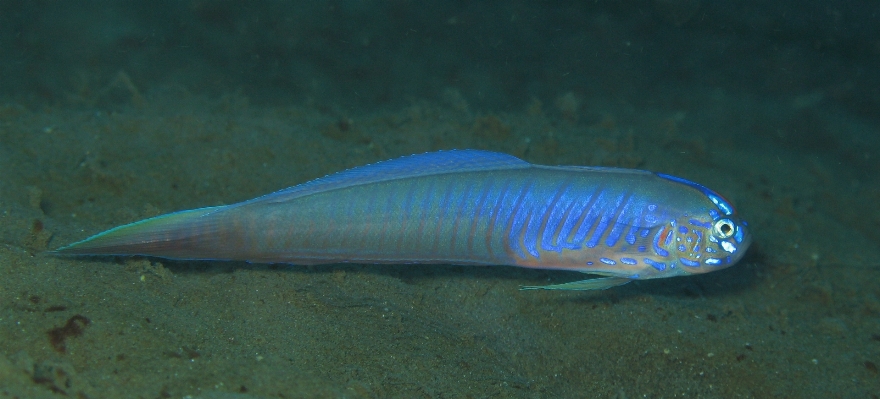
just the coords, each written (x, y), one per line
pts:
(582, 285)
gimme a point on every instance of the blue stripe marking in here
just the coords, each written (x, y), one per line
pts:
(629, 261)
(586, 226)
(614, 235)
(597, 233)
(722, 204)
(507, 208)
(519, 220)
(607, 261)
(493, 217)
(548, 239)
(695, 222)
(619, 225)
(463, 212)
(530, 238)
(604, 222)
(579, 208)
(515, 219)
(688, 262)
(485, 206)
(657, 265)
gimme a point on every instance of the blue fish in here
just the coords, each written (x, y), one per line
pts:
(464, 207)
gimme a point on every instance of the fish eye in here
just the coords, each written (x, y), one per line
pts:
(723, 228)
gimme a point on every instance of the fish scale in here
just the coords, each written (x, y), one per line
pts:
(461, 207)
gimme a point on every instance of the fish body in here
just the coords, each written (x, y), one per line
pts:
(465, 207)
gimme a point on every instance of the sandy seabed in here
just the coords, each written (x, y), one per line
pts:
(798, 317)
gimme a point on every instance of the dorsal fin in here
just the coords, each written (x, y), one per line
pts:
(426, 164)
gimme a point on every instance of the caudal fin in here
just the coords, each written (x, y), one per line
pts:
(174, 235)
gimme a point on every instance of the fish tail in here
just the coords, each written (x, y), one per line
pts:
(175, 235)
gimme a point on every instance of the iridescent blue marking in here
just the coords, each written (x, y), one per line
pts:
(738, 236)
(644, 233)
(589, 263)
(722, 204)
(712, 261)
(629, 261)
(695, 222)
(597, 233)
(607, 261)
(711, 250)
(604, 221)
(714, 214)
(631, 235)
(619, 224)
(642, 248)
(669, 239)
(657, 265)
(563, 204)
(578, 209)
(519, 219)
(682, 229)
(681, 248)
(514, 236)
(533, 229)
(728, 246)
(713, 239)
(530, 236)
(615, 234)
(589, 220)
(464, 206)
(585, 228)
(688, 262)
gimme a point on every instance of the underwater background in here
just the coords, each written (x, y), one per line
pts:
(115, 111)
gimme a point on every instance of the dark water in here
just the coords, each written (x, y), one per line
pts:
(111, 112)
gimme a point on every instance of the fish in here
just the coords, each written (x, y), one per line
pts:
(460, 207)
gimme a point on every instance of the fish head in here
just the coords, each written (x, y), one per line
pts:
(702, 244)
(708, 236)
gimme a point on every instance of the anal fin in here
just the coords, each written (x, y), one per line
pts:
(600, 283)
